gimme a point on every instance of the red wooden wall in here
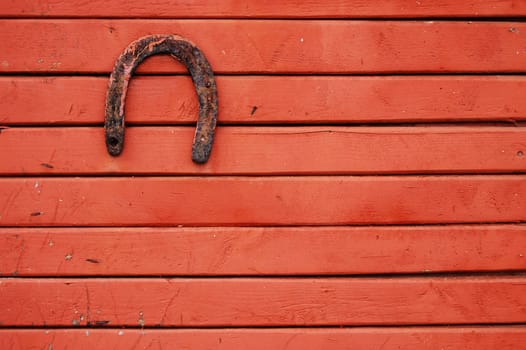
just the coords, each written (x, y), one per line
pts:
(366, 189)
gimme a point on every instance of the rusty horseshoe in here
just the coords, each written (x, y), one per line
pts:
(202, 76)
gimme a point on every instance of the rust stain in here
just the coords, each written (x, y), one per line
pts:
(202, 76)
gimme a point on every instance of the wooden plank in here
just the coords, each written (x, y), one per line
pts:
(262, 9)
(256, 201)
(410, 338)
(269, 99)
(259, 46)
(262, 302)
(268, 150)
(260, 251)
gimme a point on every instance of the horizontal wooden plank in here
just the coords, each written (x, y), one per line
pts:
(268, 150)
(257, 201)
(262, 302)
(260, 251)
(262, 9)
(259, 46)
(269, 99)
(410, 338)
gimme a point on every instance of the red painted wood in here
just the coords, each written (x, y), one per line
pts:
(262, 302)
(272, 49)
(409, 338)
(255, 201)
(259, 46)
(268, 150)
(262, 9)
(276, 99)
(260, 251)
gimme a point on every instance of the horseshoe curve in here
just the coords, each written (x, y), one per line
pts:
(202, 76)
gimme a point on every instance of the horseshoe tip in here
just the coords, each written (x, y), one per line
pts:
(201, 153)
(114, 146)
(200, 158)
(114, 152)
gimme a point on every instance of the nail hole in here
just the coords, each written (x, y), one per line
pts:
(112, 141)
(520, 153)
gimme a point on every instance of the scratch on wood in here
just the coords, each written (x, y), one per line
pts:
(22, 250)
(88, 304)
(93, 261)
(170, 302)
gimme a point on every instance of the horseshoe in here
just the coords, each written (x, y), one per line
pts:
(202, 76)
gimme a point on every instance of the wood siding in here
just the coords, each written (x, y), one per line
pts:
(366, 188)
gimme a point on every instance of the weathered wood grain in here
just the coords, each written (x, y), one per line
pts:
(260, 201)
(260, 250)
(267, 150)
(270, 47)
(269, 99)
(384, 338)
(262, 302)
(262, 9)
(270, 70)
